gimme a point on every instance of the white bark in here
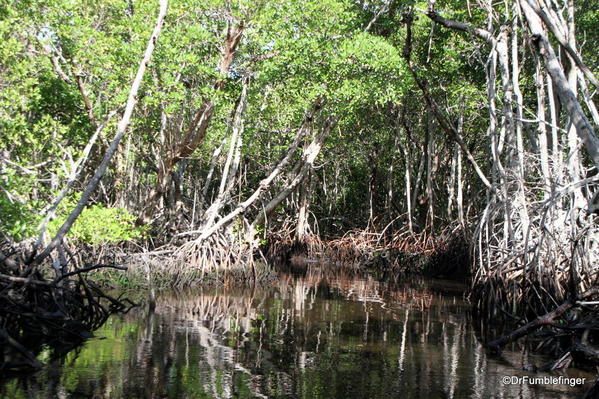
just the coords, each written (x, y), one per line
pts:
(452, 182)
(517, 125)
(76, 169)
(215, 155)
(232, 164)
(408, 183)
(121, 128)
(587, 98)
(430, 215)
(460, 192)
(563, 33)
(307, 161)
(266, 182)
(583, 127)
(542, 129)
(556, 157)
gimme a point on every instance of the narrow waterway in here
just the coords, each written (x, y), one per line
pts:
(310, 336)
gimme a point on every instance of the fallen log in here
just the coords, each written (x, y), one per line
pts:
(547, 319)
(528, 328)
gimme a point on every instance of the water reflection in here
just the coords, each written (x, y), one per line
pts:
(314, 336)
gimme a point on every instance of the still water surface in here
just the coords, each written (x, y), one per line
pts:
(310, 336)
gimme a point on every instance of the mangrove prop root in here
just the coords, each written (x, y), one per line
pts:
(526, 329)
(39, 309)
(584, 354)
(541, 321)
(31, 360)
(386, 251)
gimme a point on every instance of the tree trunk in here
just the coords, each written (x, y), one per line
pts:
(198, 127)
(460, 190)
(542, 130)
(232, 164)
(305, 192)
(430, 211)
(266, 182)
(303, 166)
(213, 160)
(567, 96)
(121, 128)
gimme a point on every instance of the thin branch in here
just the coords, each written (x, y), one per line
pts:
(121, 128)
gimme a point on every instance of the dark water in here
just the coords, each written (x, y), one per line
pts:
(314, 336)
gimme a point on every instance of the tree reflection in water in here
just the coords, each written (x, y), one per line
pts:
(320, 335)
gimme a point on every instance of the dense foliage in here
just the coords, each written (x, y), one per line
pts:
(326, 116)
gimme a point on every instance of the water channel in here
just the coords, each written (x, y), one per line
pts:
(311, 336)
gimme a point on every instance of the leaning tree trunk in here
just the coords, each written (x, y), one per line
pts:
(265, 183)
(232, 163)
(305, 193)
(121, 128)
(584, 129)
(302, 167)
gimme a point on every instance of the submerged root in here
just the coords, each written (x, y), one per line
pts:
(37, 309)
(540, 275)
